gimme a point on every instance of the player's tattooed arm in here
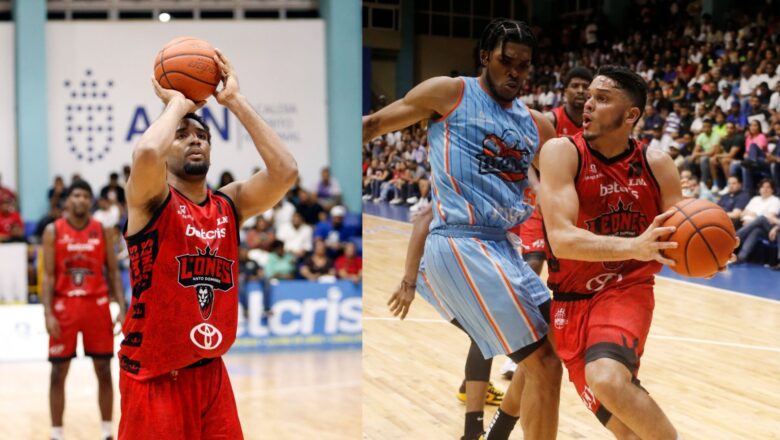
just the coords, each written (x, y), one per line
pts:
(560, 204)
(431, 98)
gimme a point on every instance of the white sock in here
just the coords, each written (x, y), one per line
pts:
(56, 433)
(107, 428)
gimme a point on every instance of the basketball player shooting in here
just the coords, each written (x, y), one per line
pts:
(77, 251)
(483, 141)
(605, 200)
(183, 244)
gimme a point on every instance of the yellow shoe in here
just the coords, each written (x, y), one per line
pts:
(494, 396)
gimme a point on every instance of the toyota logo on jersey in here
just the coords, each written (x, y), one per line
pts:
(206, 336)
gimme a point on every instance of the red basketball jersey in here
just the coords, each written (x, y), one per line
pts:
(564, 126)
(79, 259)
(618, 197)
(184, 276)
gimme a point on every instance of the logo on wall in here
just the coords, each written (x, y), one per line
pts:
(89, 118)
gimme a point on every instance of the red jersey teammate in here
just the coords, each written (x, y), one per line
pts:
(183, 244)
(603, 197)
(76, 252)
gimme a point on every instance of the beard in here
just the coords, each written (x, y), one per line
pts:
(612, 125)
(196, 169)
(493, 89)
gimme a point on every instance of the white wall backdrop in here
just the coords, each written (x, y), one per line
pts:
(101, 99)
(7, 107)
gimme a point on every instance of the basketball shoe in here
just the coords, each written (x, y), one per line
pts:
(493, 396)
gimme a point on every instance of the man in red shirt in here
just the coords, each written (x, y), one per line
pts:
(182, 241)
(604, 199)
(77, 250)
(11, 224)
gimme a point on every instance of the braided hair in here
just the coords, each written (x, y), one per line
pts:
(501, 30)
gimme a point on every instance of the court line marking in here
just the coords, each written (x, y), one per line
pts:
(688, 283)
(663, 337)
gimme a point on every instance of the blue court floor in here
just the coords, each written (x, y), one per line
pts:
(746, 278)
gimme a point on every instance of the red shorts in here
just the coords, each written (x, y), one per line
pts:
(194, 403)
(531, 234)
(612, 324)
(86, 314)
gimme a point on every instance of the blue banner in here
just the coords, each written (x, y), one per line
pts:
(304, 315)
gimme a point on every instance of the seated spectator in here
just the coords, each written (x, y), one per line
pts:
(380, 177)
(735, 201)
(107, 213)
(318, 264)
(280, 264)
(328, 189)
(774, 235)
(691, 188)
(281, 214)
(308, 207)
(759, 218)
(248, 271)
(261, 236)
(732, 147)
(57, 193)
(11, 224)
(754, 162)
(707, 146)
(333, 232)
(113, 191)
(349, 266)
(225, 179)
(297, 236)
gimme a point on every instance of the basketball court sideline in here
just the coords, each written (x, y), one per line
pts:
(708, 360)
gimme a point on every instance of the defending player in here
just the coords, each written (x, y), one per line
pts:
(76, 252)
(604, 199)
(567, 120)
(183, 244)
(483, 141)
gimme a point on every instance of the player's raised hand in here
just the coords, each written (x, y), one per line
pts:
(401, 299)
(648, 247)
(52, 326)
(229, 79)
(168, 95)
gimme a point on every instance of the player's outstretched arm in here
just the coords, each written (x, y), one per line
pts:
(432, 97)
(147, 186)
(402, 298)
(264, 189)
(560, 204)
(47, 285)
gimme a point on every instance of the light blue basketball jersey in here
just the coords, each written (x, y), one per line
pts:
(480, 154)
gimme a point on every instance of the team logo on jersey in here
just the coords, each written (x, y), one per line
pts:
(77, 268)
(206, 272)
(505, 156)
(560, 318)
(620, 221)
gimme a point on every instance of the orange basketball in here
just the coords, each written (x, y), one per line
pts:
(186, 64)
(705, 238)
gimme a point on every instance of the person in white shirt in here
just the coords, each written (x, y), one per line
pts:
(774, 100)
(108, 214)
(280, 214)
(297, 236)
(725, 99)
(759, 217)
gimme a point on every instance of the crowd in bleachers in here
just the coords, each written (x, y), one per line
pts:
(713, 106)
(308, 235)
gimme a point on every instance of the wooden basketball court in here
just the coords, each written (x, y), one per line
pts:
(297, 395)
(712, 360)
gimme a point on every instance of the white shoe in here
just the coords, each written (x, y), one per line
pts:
(422, 203)
(367, 197)
(724, 191)
(715, 189)
(411, 200)
(396, 201)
